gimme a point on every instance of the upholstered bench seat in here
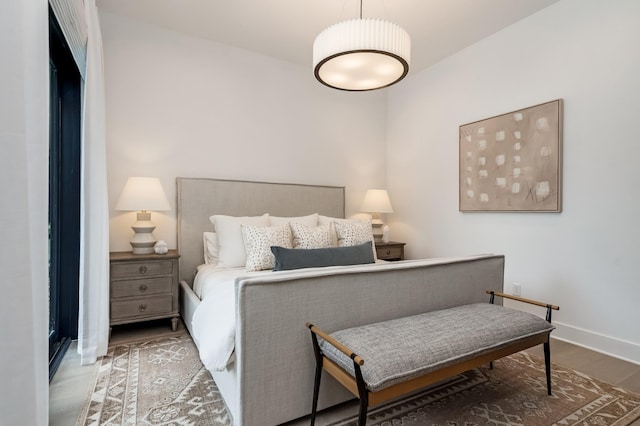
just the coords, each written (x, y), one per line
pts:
(399, 350)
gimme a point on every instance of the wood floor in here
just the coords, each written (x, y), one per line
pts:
(73, 382)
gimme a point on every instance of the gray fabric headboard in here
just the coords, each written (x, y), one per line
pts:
(199, 198)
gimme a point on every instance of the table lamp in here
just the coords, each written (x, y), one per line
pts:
(377, 201)
(143, 194)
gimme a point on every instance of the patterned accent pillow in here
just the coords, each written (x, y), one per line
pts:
(315, 237)
(353, 233)
(328, 220)
(258, 241)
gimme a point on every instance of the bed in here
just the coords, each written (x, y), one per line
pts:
(268, 377)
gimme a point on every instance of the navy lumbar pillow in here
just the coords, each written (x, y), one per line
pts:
(287, 259)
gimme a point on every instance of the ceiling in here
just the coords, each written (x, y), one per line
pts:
(286, 29)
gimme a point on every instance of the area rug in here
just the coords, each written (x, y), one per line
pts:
(162, 382)
(514, 392)
(156, 382)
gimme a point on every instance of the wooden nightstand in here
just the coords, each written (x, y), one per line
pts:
(143, 287)
(392, 250)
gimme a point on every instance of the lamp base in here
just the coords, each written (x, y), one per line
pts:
(143, 239)
(376, 229)
(142, 250)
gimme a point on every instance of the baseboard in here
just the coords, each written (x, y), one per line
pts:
(618, 348)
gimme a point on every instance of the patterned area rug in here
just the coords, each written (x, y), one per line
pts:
(162, 382)
(514, 392)
(158, 382)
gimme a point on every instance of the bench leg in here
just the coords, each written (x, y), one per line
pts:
(316, 391)
(363, 394)
(547, 365)
(316, 382)
(362, 415)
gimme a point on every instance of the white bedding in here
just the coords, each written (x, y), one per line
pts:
(214, 321)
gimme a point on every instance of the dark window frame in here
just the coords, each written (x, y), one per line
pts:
(64, 195)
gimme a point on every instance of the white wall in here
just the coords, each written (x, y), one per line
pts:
(182, 106)
(24, 137)
(584, 259)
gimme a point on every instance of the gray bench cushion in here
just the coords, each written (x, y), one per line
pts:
(401, 349)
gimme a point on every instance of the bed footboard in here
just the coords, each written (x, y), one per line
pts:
(275, 361)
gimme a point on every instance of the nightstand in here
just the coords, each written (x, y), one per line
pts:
(143, 287)
(392, 250)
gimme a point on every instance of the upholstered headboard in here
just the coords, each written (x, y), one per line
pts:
(199, 198)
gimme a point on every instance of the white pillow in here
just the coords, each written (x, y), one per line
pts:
(325, 220)
(210, 241)
(310, 220)
(353, 233)
(231, 252)
(258, 241)
(305, 237)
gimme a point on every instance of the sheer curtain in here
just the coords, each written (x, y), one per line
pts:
(93, 322)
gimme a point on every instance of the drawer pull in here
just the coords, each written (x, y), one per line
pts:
(143, 288)
(142, 269)
(388, 252)
(142, 307)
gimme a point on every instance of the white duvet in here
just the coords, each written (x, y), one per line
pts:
(214, 320)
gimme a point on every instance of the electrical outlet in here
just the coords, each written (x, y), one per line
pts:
(516, 289)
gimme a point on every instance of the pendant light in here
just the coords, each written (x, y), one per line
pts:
(361, 54)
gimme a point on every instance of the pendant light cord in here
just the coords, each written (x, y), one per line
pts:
(360, 9)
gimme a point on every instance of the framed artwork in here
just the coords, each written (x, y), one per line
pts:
(513, 162)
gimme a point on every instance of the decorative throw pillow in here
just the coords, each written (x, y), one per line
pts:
(351, 233)
(258, 241)
(231, 251)
(310, 220)
(328, 220)
(286, 259)
(210, 241)
(305, 237)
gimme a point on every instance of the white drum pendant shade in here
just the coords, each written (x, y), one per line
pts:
(361, 54)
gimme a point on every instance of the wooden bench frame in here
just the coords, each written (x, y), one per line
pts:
(357, 386)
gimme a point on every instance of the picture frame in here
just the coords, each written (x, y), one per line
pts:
(513, 162)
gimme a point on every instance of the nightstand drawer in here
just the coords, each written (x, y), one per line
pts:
(141, 269)
(389, 252)
(141, 306)
(141, 287)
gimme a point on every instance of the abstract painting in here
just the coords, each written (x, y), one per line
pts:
(513, 162)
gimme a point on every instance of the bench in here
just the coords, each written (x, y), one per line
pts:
(405, 354)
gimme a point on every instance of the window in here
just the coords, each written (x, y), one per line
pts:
(64, 195)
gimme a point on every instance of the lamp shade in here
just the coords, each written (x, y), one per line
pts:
(143, 193)
(376, 201)
(361, 54)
